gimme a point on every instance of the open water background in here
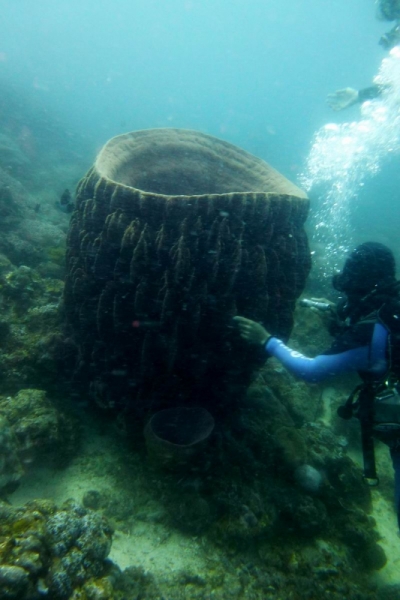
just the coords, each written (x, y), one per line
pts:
(255, 73)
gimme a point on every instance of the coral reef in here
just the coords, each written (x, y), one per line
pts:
(32, 227)
(38, 160)
(244, 491)
(32, 430)
(263, 537)
(40, 428)
(30, 346)
(57, 553)
(159, 259)
(35, 146)
(11, 469)
(12, 155)
(174, 233)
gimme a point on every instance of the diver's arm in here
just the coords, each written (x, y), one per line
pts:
(370, 358)
(347, 97)
(322, 366)
(370, 93)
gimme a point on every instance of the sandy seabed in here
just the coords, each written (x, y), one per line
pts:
(156, 548)
(152, 546)
(386, 520)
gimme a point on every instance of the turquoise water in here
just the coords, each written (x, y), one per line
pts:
(262, 497)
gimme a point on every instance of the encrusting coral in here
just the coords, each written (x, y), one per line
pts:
(57, 553)
(174, 233)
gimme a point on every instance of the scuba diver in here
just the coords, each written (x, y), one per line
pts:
(366, 326)
(387, 10)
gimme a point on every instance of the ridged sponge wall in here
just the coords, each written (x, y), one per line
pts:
(174, 233)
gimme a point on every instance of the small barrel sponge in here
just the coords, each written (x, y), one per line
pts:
(175, 232)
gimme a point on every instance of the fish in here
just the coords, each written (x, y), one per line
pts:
(66, 202)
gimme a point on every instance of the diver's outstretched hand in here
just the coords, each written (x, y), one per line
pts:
(342, 99)
(251, 331)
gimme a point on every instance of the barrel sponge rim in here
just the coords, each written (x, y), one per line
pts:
(125, 158)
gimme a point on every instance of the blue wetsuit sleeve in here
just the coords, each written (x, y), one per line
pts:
(371, 359)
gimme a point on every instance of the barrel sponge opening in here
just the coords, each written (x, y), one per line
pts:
(178, 162)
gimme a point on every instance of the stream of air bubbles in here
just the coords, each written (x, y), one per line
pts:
(344, 156)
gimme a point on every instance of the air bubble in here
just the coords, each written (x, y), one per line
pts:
(344, 156)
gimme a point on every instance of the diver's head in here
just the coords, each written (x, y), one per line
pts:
(388, 10)
(369, 266)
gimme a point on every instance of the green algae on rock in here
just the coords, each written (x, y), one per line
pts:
(31, 342)
(11, 469)
(32, 429)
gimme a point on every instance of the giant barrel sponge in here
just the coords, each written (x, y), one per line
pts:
(173, 234)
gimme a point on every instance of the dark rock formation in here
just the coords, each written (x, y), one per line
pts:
(175, 232)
